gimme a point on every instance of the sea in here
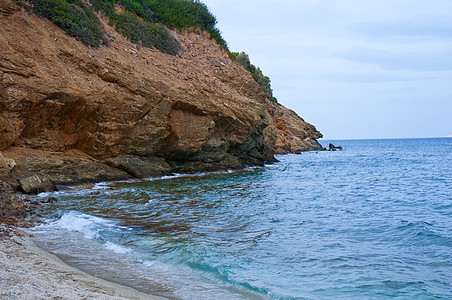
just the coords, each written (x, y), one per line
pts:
(373, 221)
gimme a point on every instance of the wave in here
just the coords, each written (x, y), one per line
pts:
(224, 276)
(420, 232)
(89, 226)
(117, 248)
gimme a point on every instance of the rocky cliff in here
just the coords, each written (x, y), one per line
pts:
(70, 113)
(294, 134)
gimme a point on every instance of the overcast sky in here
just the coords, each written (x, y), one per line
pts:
(353, 68)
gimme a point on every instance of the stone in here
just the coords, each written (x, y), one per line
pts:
(140, 167)
(52, 200)
(12, 209)
(331, 147)
(62, 168)
(6, 165)
(36, 184)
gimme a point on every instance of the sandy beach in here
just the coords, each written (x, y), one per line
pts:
(28, 272)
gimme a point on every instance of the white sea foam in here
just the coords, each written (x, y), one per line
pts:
(88, 225)
(166, 177)
(186, 175)
(101, 186)
(157, 265)
(53, 194)
(117, 248)
(71, 191)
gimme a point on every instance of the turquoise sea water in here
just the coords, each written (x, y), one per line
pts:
(371, 222)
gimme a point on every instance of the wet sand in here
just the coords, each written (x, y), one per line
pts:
(28, 272)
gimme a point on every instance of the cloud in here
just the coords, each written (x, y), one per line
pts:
(359, 61)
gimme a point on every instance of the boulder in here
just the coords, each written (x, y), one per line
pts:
(36, 184)
(62, 168)
(4, 169)
(140, 167)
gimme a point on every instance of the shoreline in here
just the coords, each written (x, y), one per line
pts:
(29, 272)
(81, 282)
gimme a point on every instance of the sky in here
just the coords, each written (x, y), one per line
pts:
(353, 68)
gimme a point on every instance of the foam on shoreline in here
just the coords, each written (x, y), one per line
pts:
(28, 272)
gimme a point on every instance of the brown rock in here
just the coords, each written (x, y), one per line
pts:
(12, 209)
(59, 95)
(8, 8)
(74, 113)
(69, 167)
(6, 165)
(140, 166)
(36, 184)
(10, 128)
(294, 134)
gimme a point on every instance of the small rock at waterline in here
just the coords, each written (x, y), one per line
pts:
(52, 200)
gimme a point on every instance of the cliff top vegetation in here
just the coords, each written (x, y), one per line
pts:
(143, 21)
(138, 20)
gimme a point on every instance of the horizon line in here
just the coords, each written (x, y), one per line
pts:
(386, 138)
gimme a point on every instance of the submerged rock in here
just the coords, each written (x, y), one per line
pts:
(52, 200)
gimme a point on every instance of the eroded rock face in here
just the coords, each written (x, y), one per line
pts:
(71, 113)
(294, 134)
(6, 167)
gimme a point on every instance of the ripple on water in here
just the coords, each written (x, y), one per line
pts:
(373, 221)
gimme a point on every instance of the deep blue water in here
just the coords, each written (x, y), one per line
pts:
(373, 221)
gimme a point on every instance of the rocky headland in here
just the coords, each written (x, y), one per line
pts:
(70, 113)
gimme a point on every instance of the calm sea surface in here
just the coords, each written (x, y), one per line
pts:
(371, 222)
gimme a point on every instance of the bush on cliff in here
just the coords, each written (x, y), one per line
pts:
(79, 21)
(73, 16)
(179, 14)
(183, 14)
(264, 81)
(150, 35)
(138, 22)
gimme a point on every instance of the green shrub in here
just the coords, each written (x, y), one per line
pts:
(179, 14)
(72, 16)
(137, 23)
(134, 6)
(106, 6)
(151, 35)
